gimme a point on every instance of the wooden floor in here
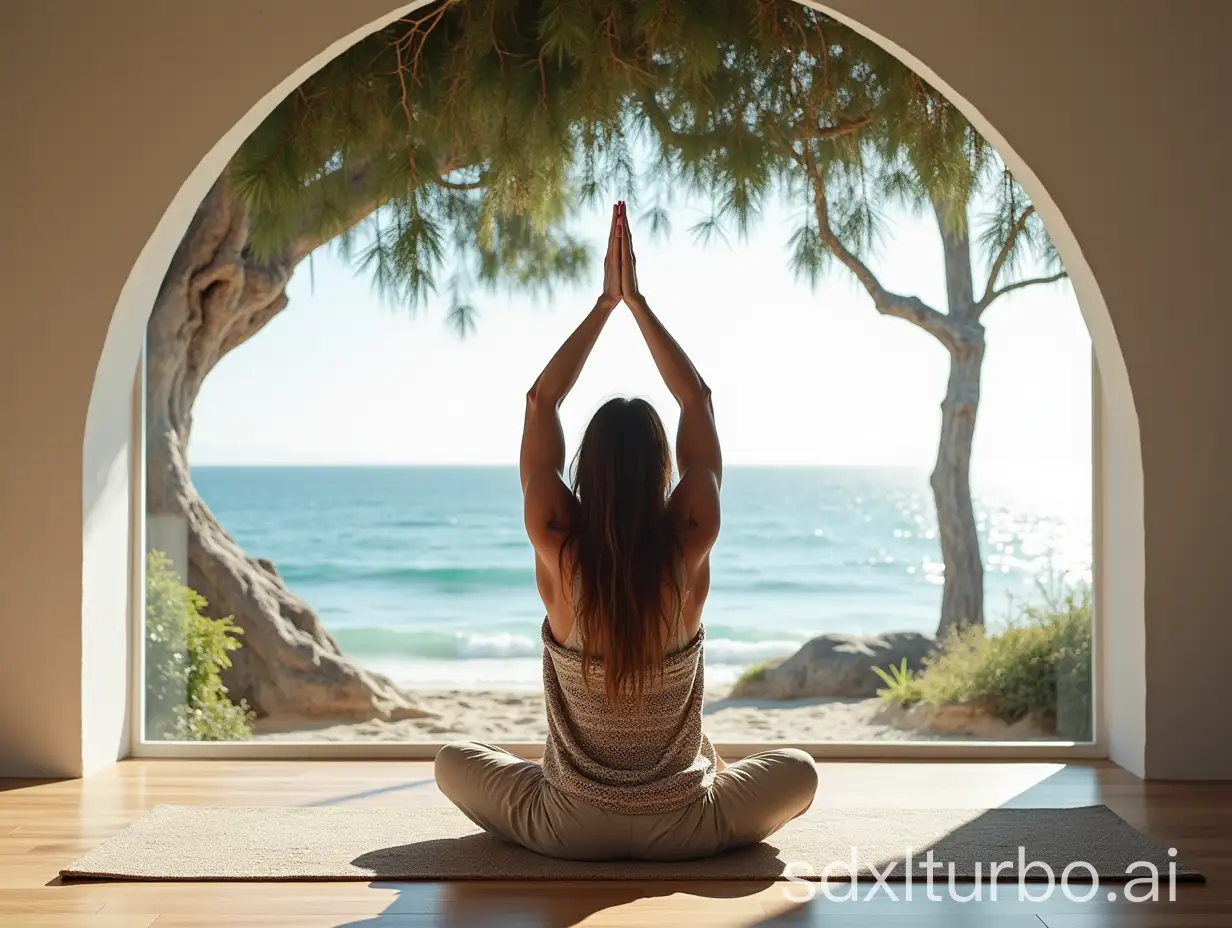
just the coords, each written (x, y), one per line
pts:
(45, 825)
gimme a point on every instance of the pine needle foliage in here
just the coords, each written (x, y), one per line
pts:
(449, 150)
(798, 103)
(457, 141)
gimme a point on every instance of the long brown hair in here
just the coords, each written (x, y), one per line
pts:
(624, 558)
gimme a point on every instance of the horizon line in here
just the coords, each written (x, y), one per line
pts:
(493, 465)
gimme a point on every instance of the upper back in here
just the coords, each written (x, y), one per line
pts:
(560, 587)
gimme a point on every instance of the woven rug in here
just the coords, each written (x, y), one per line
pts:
(439, 843)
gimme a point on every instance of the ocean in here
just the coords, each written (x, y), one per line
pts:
(425, 573)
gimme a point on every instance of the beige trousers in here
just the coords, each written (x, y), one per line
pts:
(508, 797)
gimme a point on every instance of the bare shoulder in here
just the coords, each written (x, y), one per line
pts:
(548, 506)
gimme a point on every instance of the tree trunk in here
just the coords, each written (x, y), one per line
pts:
(962, 599)
(214, 298)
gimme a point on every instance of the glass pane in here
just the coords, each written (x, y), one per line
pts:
(335, 519)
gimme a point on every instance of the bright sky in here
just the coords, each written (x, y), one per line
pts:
(799, 376)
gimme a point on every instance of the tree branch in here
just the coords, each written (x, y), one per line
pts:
(364, 200)
(1019, 284)
(826, 133)
(451, 185)
(659, 120)
(363, 203)
(998, 262)
(912, 309)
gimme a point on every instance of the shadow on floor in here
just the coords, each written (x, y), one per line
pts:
(28, 783)
(369, 793)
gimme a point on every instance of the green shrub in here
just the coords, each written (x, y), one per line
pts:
(1039, 666)
(185, 653)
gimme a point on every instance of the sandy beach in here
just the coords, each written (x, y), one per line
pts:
(518, 716)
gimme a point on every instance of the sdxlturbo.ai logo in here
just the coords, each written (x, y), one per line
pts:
(1034, 880)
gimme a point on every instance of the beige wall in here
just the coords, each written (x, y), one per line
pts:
(109, 111)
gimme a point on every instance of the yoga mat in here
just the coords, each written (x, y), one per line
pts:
(174, 842)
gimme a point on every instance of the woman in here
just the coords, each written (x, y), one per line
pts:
(623, 566)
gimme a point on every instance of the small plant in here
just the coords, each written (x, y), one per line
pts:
(186, 652)
(757, 672)
(901, 685)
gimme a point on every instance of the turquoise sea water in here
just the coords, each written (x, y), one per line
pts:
(425, 573)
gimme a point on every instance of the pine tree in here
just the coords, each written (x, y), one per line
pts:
(808, 106)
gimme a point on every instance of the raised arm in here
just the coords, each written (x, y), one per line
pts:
(697, 438)
(547, 504)
(543, 440)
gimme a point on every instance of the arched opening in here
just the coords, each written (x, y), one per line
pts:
(110, 405)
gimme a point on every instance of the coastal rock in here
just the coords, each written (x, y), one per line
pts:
(835, 665)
